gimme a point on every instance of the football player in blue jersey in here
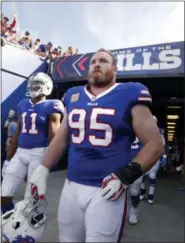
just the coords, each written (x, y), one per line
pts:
(38, 122)
(99, 125)
(135, 188)
(152, 174)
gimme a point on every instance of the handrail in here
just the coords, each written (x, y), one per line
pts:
(13, 73)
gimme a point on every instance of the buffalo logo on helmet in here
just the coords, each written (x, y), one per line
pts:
(18, 239)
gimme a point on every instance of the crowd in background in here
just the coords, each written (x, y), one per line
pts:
(25, 41)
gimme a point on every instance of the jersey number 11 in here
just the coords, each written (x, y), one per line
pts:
(33, 129)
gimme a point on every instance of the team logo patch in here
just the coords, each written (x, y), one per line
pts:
(74, 97)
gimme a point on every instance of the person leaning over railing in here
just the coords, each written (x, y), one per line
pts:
(44, 50)
(5, 25)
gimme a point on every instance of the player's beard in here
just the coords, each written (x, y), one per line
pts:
(101, 80)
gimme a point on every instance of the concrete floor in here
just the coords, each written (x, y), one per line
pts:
(161, 222)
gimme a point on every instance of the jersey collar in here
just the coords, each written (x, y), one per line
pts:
(37, 102)
(95, 97)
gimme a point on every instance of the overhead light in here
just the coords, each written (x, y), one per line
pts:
(171, 131)
(174, 107)
(173, 98)
(171, 123)
(171, 126)
(173, 117)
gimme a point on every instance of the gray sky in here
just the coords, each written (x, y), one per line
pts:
(91, 25)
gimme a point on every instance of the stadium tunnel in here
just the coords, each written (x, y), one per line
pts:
(167, 88)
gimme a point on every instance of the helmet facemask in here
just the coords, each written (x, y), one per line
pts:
(34, 89)
(25, 223)
(35, 211)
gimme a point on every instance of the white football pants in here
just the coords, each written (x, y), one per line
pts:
(152, 173)
(23, 163)
(85, 216)
(134, 189)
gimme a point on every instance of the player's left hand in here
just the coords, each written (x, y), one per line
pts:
(112, 187)
(38, 181)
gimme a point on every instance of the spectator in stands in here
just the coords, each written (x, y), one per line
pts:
(65, 54)
(59, 51)
(28, 43)
(44, 50)
(54, 53)
(5, 26)
(11, 36)
(70, 51)
(36, 44)
(4, 22)
(8, 35)
(23, 42)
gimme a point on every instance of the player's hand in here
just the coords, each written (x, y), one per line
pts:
(112, 187)
(38, 181)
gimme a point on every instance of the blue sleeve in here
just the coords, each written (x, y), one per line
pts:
(71, 96)
(56, 106)
(67, 98)
(12, 129)
(140, 95)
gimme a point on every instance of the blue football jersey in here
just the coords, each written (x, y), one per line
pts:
(135, 148)
(137, 145)
(100, 130)
(34, 119)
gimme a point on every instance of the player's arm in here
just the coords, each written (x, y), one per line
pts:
(163, 160)
(58, 145)
(54, 152)
(14, 142)
(147, 131)
(54, 124)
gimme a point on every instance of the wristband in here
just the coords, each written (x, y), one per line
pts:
(129, 173)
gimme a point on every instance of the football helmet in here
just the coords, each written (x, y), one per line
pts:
(25, 223)
(39, 83)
